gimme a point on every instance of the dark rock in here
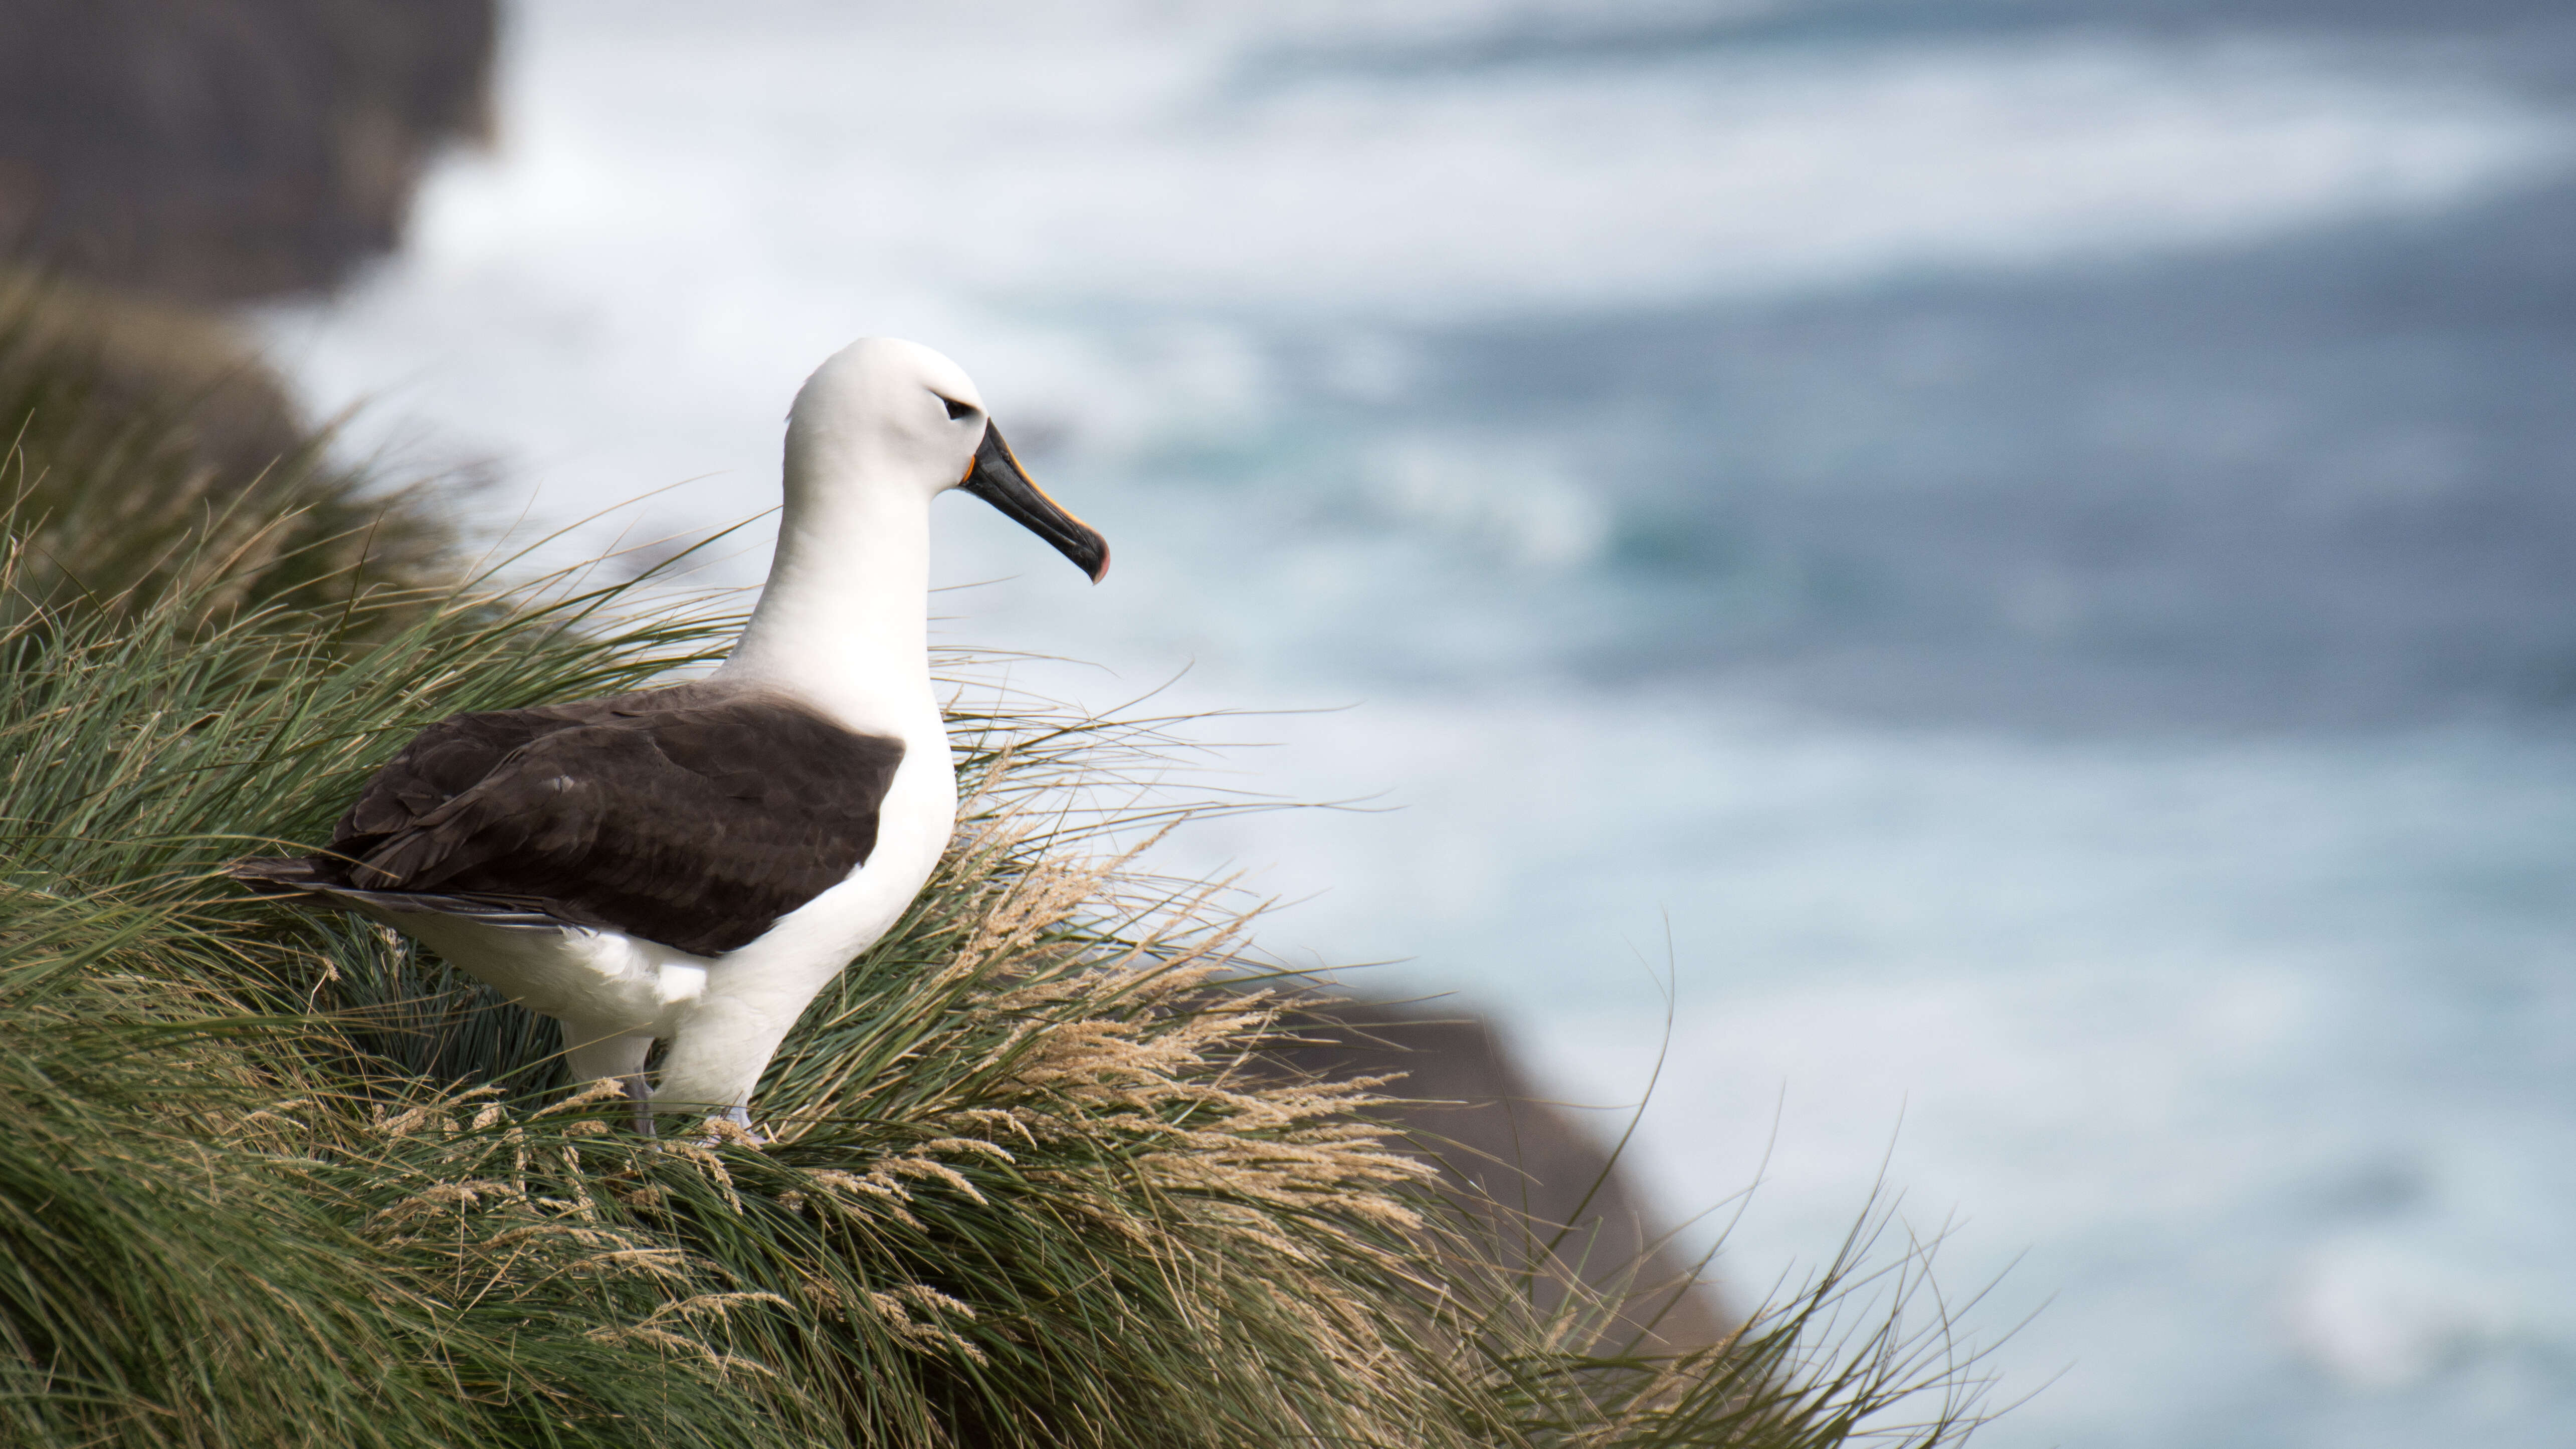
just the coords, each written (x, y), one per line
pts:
(214, 150)
(1534, 1168)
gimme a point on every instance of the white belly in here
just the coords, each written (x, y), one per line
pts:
(608, 982)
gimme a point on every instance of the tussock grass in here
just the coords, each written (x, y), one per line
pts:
(267, 1178)
(144, 452)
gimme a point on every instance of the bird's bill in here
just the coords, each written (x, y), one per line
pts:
(998, 479)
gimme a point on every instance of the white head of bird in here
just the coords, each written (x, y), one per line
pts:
(880, 429)
(891, 412)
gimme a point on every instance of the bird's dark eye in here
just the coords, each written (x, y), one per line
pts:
(955, 408)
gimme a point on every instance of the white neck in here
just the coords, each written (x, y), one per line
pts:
(844, 619)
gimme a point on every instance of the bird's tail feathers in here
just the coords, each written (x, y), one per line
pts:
(294, 881)
(276, 877)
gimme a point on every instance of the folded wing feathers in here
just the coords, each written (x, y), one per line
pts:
(689, 815)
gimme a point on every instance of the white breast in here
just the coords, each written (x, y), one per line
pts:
(752, 996)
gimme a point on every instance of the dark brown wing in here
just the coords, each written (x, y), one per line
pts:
(695, 816)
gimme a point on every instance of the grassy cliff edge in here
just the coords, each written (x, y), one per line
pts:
(273, 1180)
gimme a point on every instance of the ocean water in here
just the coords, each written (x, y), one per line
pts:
(1999, 572)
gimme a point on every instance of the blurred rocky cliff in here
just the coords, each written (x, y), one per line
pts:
(215, 150)
(158, 160)
(1553, 1197)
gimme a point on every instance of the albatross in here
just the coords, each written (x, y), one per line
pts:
(693, 863)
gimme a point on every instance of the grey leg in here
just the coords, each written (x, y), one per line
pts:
(640, 1093)
(594, 1056)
